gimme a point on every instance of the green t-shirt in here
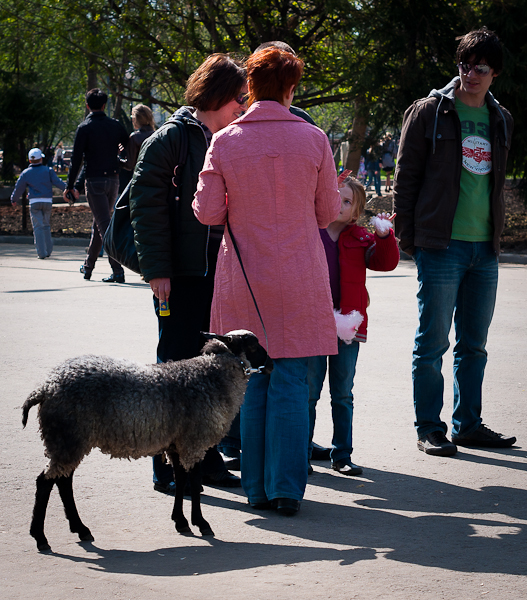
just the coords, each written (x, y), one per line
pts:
(473, 218)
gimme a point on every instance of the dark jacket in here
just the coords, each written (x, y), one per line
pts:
(428, 172)
(170, 242)
(129, 158)
(97, 140)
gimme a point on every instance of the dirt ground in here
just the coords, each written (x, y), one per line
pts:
(76, 221)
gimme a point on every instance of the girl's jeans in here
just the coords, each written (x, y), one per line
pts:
(341, 374)
(460, 281)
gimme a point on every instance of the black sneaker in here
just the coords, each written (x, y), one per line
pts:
(436, 444)
(484, 437)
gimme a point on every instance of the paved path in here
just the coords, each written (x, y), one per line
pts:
(414, 527)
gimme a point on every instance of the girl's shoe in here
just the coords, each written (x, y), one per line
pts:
(346, 467)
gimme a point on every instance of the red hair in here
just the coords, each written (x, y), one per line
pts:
(271, 73)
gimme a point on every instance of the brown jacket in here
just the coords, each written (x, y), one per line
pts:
(428, 172)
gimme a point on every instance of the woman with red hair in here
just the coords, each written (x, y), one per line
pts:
(281, 181)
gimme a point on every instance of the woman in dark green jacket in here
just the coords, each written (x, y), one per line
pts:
(177, 254)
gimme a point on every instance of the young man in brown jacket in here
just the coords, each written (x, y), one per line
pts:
(448, 194)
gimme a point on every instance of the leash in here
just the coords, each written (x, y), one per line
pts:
(235, 245)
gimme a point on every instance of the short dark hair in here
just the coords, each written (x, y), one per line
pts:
(215, 83)
(482, 44)
(271, 73)
(276, 44)
(96, 99)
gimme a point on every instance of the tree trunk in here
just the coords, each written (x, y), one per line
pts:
(357, 136)
(92, 75)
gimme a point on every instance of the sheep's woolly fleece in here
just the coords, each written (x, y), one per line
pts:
(130, 410)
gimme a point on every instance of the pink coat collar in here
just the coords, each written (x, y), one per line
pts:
(267, 110)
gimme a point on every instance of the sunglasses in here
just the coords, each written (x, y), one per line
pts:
(241, 99)
(480, 70)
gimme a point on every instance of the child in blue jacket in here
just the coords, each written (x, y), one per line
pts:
(39, 179)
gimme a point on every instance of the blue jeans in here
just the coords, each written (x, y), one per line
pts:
(459, 281)
(341, 374)
(40, 213)
(376, 178)
(275, 432)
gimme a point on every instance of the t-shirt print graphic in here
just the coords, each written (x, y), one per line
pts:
(477, 155)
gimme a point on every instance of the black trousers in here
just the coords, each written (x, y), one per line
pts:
(179, 337)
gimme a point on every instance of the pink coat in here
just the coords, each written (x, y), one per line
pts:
(281, 181)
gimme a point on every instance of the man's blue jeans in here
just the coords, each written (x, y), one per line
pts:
(459, 281)
(341, 374)
(275, 432)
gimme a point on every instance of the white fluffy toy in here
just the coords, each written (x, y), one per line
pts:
(382, 223)
(347, 325)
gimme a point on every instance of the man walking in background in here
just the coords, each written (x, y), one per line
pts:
(97, 142)
(448, 196)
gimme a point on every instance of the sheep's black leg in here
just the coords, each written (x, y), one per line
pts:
(195, 491)
(180, 477)
(44, 487)
(65, 485)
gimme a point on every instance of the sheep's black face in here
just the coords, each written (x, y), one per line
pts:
(257, 355)
(242, 342)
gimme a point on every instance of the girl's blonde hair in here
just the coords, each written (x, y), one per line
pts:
(143, 115)
(359, 194)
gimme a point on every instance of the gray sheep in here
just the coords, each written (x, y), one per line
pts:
(128, 410)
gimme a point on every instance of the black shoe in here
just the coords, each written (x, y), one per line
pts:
(346, 467)
(170, 488)
(287, 506)
(319, 452)
(114, 278)
(222, 479)
(86, 271)
(485, 438)
(436, 444)
(269, 505)
(232, 464)
(309, 468)
(166, 488)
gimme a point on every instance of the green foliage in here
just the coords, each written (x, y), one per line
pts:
(509, 19)
(366, 61)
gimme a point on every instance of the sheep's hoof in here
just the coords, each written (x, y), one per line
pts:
(44, 548)
(182, 526)
(185, 530)
(86, 537)
(206, 531)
